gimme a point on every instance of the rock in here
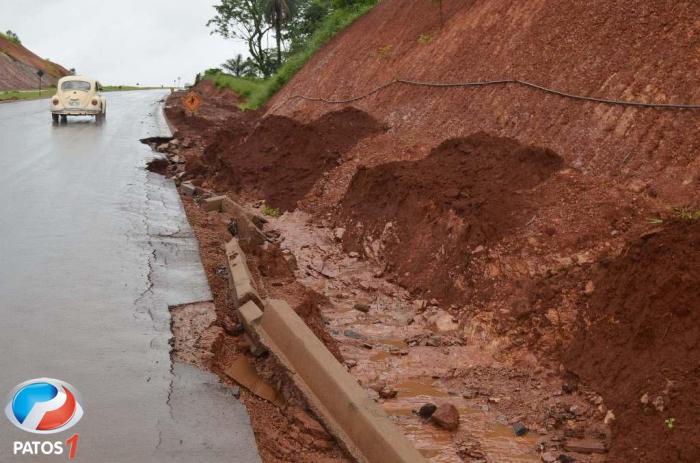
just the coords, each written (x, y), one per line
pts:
(354, 254)
(364, 308)
(446, 416)
(434, 302)
(519, 429)
(609, 417)
(590, 287)
(659, 403)
(162, 148)
(444, 323)
(351, 363)
(549, 457)
(338, 233)
(585, 446)
(427, 410)
(420, 304)
(387, 392)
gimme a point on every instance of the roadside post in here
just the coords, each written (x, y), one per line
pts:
(40, 73)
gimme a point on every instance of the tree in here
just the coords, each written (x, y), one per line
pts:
(245, 20)
(13, 37)
(237, 66)
(278, 13)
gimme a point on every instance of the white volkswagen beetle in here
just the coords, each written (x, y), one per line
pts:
(78, 96)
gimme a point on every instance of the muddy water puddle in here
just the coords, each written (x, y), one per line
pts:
(376, 343)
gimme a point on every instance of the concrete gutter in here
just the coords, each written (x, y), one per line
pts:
(359, 424)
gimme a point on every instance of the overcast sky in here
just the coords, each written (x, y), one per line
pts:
(151, 42)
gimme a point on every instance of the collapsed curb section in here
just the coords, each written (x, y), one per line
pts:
(361, 426)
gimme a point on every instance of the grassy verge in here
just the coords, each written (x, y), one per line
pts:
(257, 91)
(22, 95)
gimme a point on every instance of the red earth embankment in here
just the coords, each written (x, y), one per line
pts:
(526, 209)
(639, 344)
(18, 67)
(646, 51)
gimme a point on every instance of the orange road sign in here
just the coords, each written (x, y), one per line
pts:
(192, 101)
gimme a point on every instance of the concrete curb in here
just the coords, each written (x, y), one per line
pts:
(348, 413)
(248, 232)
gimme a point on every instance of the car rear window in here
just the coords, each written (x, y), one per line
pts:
(76, 85)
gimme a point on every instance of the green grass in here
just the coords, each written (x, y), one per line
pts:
(258, 91)
(22, 95)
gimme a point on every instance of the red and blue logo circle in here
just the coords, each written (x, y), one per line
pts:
(44, 406)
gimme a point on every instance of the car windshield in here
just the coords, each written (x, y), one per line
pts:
(76, 85)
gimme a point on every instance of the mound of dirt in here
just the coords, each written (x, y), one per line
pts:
(280, 159)
(425, 218)
(639, 344)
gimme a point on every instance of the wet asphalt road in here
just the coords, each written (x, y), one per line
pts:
(93, 250)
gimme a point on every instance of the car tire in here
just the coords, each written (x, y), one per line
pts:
(64, 118)
(54, 117)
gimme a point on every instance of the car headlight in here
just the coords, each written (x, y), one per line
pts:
(55, 101)
(94, 101)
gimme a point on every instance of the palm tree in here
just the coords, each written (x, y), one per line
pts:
(237, 66)
(278, 12)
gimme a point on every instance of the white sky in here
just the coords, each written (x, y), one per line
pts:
(151, 42)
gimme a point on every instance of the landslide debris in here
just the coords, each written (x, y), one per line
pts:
(279, 159)
(638, 343)
(425, 218)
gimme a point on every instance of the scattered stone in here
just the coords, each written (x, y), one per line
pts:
(519, 429)
(364, 308)
(446, 416)
(236, 391)
(585, 446)
(354, 254)
(162, 148)
(387, 392)
(434, 302)
(427, 410)
(338, 233)
(350, 363)
(609, 417)
(549, 457)
(493, 400)
(659, 403)
(420, 304)
(446, 323)
(590, 287)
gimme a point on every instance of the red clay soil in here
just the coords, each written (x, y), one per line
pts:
(624, 49)
(641, 335)
(279, 159)
(18, 67)
(432, 213)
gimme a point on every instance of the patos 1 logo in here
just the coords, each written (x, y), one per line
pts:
(44, 406)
